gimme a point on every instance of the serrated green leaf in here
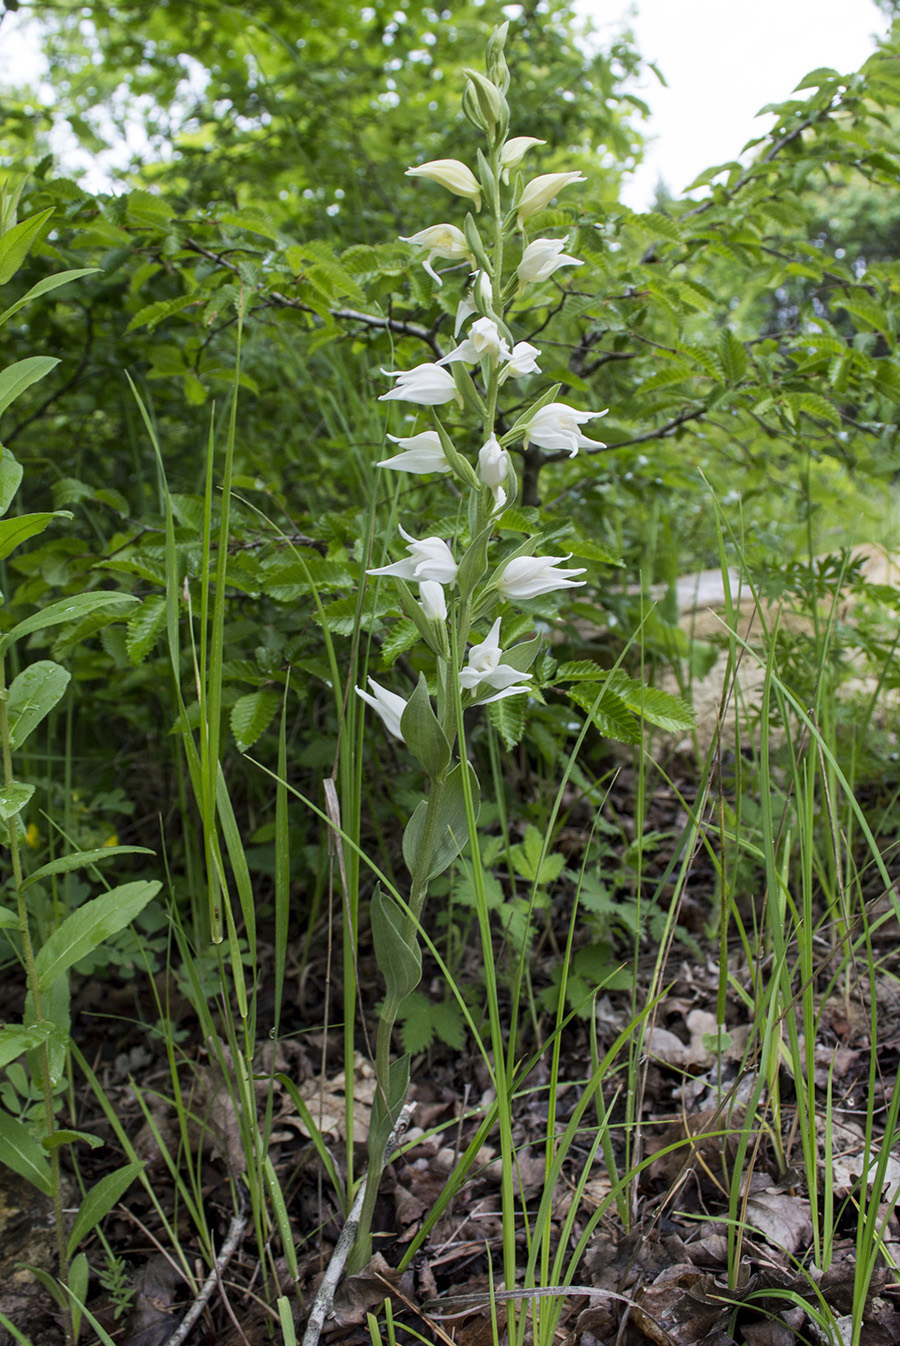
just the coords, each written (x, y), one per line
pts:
(508, 718)
(251, 716)
(401, 637)
(143, 627)
(733, 356)
(155, 313)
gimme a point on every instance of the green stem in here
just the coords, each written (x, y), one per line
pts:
(362, 1248)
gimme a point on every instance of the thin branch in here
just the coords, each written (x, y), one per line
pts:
(324, 1299)
(401, 327)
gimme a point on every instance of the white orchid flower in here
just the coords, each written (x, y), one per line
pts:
(422, 453)
(440, 240)
(429, 559)
(452, 174)
(484, 340)
(467, 306)
(530, 576)
(388, 706)
(433, 601)
(493, 468)
(522, 361)
(514, 151)
(541, 258)
(555, 427)
(541, 191)
(484, 669)
(425, 384)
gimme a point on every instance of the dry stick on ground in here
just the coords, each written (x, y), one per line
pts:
(229, 1248)
(325, 1295)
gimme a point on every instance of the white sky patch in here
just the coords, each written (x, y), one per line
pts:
(723, 60)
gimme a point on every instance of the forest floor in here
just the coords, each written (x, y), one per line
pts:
(656, 1262)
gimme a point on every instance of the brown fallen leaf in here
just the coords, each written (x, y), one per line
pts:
(358, 1295)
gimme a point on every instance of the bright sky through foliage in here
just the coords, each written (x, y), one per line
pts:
(723, 60)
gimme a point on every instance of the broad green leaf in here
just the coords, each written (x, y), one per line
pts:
(70, 1137)
(15, 1040)
(45, 286)
(23, 1154)
(88, 927)
(396, 946)
(451, 832)
(99, 1202)
(8, 919)
(10, 478)
(33, 694)
(16, 378)
(13, 798)
(68, 610)
(15, 531)
(422, 732)
(16, 242)
(251, 716)
(66, 864)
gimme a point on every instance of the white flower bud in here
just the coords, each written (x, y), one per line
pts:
(433, 601)
(541, 258)
(541, 191)
(453, 175)
(387, 705)
(514, 151)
